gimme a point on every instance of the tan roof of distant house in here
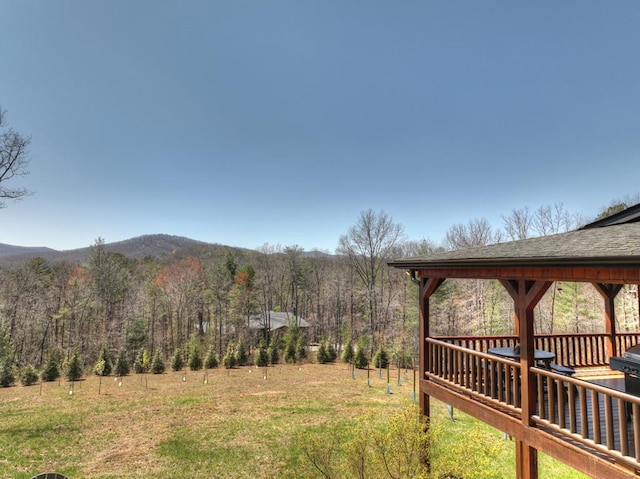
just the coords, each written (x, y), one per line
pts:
(277, 320)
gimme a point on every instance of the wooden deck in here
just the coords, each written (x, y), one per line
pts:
(600, 412)
(587, 421)
(625, 437)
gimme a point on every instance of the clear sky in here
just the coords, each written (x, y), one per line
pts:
(251, 122)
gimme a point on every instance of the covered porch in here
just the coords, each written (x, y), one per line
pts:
(587, 419)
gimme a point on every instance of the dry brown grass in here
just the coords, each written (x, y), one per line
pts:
(238, 424)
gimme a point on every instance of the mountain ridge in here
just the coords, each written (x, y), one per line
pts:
(139, 247)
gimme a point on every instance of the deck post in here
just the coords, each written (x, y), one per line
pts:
(428, 286)
(609, 293)
(526, 295)
(423, 364)
(526, 461)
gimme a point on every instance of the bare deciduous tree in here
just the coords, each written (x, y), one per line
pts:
(368, 245)
(477, 232)
(518, 223)
(475, 304)
(418, 248)
(549, 220)
(14, 159)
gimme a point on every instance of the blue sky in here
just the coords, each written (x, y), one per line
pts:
(252, 122)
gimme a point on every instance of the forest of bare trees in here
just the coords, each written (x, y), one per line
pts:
(206, 294)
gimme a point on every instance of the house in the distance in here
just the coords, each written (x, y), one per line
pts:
(273, 321)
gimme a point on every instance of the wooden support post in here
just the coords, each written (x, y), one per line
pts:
(526, 461)
(428, 286)
(609, 293)
(423, 364)
(525, 295)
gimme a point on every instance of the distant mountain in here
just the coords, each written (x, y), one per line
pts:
(9, 250)
(156, 245)
(140, 247)
(152, 245)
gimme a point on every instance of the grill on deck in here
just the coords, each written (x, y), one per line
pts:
(629, 364)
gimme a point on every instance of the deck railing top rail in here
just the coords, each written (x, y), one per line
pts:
(574, 350)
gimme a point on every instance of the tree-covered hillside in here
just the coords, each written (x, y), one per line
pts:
(197, 293)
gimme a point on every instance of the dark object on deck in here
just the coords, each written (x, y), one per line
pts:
(560, 369)
(50, 475)
(629, 364)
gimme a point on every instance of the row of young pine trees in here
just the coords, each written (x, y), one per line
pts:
(291, 348)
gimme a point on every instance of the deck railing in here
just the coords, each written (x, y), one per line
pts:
(484, 376)
(598, 417)
(574, 350)
(625, 340)
(603, 419)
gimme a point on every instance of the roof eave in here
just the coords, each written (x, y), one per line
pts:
(550, 262)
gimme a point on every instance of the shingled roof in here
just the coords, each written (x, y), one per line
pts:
(595, 245)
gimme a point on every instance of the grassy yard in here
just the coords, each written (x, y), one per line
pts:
(236, 424)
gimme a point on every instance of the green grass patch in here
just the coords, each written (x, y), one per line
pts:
(237, 425)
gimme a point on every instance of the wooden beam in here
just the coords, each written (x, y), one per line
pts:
(609, 293)
(430, 286)
(512, 288)
(621, 275)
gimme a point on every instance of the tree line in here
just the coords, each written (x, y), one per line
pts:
(206, 295)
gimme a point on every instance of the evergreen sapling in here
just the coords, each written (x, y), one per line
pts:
(242, 356)
(177, 363)
(211, 361)
(51, 371)
(195, 359)
(262, 356)
(74, 368)
(122, 365)
(29, 376)
(157, 364)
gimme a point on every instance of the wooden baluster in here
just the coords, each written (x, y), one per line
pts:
(541, 379)
(584, 417)
(474, 373)
(497, 377)
(455, 370)
(551, 394)
(517, 387)
(573, 420)
(496, 370)
(595, 414)
(448, 360)
(432, 358)
(493, 375)
(560, 398)
(622, 424)
(636, 430)
(486, 364)
(608, 421)
(463, 369)
(509, 384)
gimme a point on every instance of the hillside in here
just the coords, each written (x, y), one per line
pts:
(7, 250)
(156, 245)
